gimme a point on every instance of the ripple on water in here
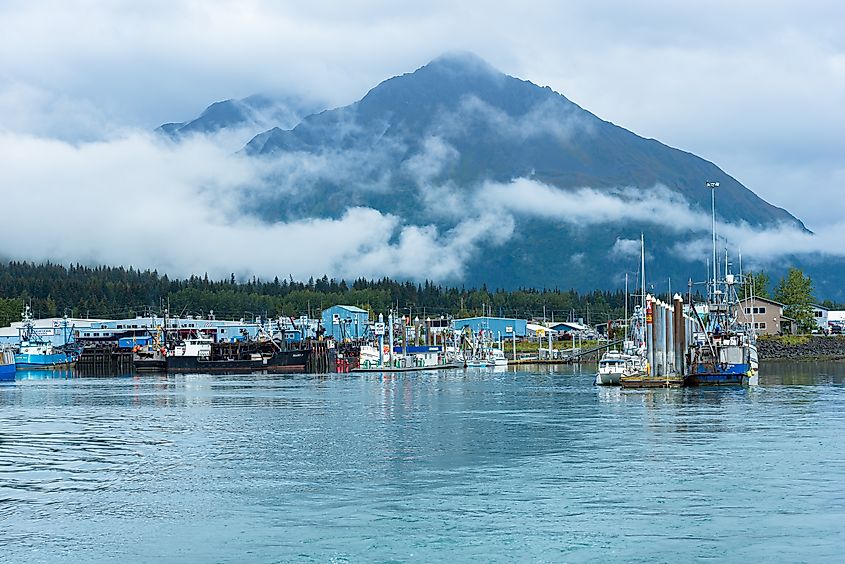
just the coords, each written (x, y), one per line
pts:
(465, 465)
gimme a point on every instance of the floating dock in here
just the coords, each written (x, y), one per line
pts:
(407, 368)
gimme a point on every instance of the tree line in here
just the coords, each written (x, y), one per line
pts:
(116, 292)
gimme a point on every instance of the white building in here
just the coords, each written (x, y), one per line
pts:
(821, 315)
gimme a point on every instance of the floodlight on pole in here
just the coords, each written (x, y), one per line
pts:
(713, 186)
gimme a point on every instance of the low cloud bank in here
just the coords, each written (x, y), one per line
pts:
(138, 198)
(141, 200)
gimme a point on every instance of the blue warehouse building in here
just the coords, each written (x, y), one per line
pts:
(498, 326)
(346, 322)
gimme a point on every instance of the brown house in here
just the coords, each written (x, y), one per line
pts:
(766, 317)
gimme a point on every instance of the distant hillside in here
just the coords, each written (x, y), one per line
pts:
(257, 112)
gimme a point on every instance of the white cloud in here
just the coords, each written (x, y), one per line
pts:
(590, 206)
(748, 85)
(625, 248)
(676, 72)
(552, 117)
(139, 200)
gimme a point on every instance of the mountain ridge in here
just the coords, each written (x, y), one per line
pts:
(545, 193)
(589, 151)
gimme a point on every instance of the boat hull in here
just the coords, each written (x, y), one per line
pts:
(731, 375)
(280, 362)
(7, 372)
(44, 361)
(608, 378)
(150, 365)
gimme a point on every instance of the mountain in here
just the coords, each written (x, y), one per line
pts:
(257, 112)
(530, 188)
(504, 128)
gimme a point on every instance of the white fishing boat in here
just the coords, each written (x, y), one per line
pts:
(611, 368)
(631, 360)
(496, 357)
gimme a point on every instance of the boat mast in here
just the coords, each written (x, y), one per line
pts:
(642, 270)
(626, 306)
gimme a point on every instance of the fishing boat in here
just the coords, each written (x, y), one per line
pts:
(611, 368)
(150, 355)
(631, 362)
(202, 354)
(7, 364)
(36, 353)
(496, 357)
(149, 359)
(724, 351)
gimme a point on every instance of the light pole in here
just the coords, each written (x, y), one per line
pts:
(713, 186)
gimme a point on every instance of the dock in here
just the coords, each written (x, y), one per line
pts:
(408, 368)
(669, 334)
(104, 361)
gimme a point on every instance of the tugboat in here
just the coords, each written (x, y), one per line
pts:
(35, 353)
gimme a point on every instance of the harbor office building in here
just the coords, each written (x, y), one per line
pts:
(766, 317)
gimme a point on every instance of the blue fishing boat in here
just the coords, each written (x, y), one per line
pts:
(7, 364)
(724, 351)
(37, 353)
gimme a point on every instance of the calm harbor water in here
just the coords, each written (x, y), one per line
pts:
(527, 465)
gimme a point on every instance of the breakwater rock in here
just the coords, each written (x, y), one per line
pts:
(801, 348)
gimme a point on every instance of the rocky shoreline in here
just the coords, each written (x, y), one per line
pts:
(801, 348)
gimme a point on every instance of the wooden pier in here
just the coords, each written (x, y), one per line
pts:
(649, 381)
(104, 361)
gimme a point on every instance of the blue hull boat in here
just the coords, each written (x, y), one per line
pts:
(7, 365)
(730, 375)
(36, 353)
(27, 361)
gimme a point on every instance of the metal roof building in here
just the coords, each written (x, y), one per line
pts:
(346, 322)
(498, 326)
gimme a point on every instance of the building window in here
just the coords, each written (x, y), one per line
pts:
(818, 313)
(747, 311)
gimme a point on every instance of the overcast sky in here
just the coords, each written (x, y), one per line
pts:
(757, 87)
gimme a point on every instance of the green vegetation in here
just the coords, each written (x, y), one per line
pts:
(761, 283)
(792, 340)
(795, 292)
(80, 291)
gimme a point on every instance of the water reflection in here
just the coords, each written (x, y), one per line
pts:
(533, 463)
(782, 373)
